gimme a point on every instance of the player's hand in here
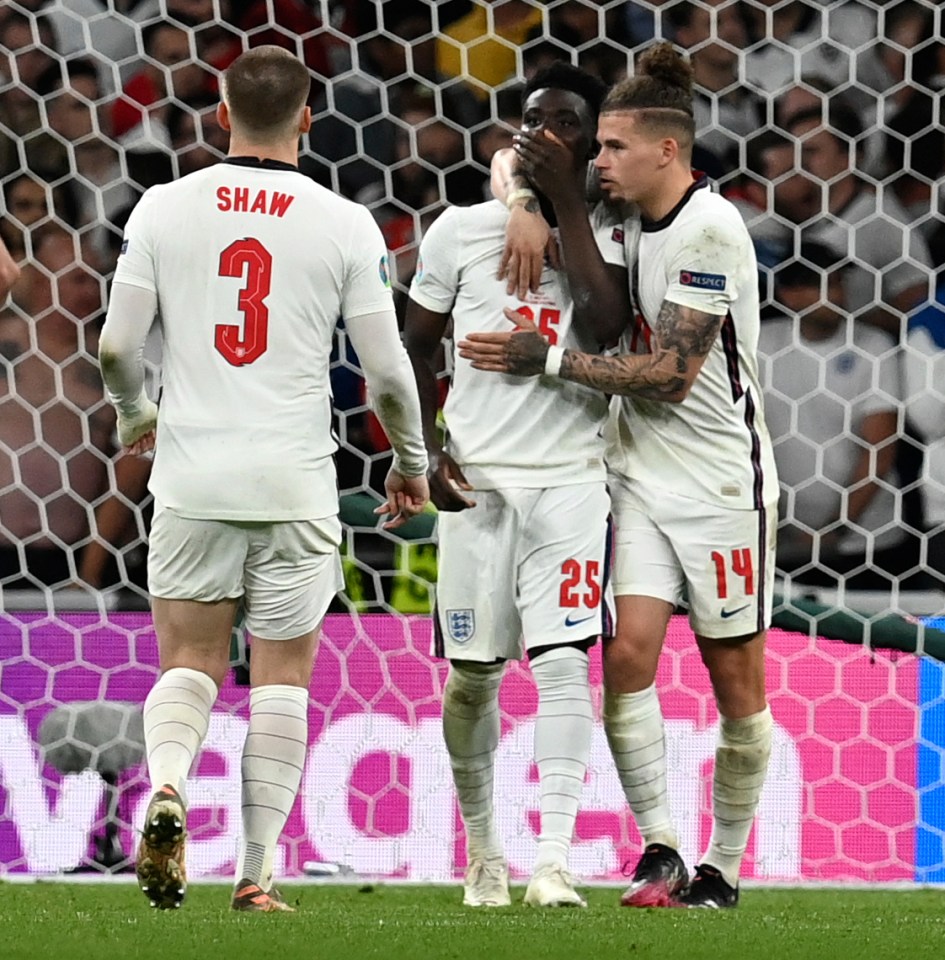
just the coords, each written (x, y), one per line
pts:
(446, 482)
(528, 240)
(549, 165)
(521, 351)
(142, 445)
(136, 434)
(406, 497)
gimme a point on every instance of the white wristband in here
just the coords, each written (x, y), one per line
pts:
(524, 193)
(553, 361)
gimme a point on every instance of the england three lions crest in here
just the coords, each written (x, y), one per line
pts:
(461, 624)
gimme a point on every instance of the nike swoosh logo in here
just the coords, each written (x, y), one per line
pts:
(731, 613)
(568, 622)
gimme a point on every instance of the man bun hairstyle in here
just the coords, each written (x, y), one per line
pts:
(265, 90)
(561, 75)
(660, 92)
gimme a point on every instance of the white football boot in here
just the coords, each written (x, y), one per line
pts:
(487, 884)
(552, 886)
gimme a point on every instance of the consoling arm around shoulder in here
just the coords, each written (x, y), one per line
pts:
(391, 385)
(680, 343)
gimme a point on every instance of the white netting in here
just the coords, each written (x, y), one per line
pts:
(822, 121)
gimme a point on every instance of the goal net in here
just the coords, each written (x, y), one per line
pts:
(820, 120)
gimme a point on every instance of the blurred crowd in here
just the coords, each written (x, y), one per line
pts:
(820, 120)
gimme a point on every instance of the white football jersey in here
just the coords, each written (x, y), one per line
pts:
(503, 430)
(253, 265)
(714, 446)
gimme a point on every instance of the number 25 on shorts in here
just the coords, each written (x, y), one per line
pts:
(581, 584)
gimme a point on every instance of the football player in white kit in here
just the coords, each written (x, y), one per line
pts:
(523, 523)
(691, 470)
(250, 265)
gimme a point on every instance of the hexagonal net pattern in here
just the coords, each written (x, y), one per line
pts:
(820, 121)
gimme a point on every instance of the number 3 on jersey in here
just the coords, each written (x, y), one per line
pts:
(242, 346)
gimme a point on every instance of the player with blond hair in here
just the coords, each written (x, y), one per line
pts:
(692, 473)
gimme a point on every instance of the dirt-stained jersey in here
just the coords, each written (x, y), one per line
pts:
(253, 265)
(503, 430)
(714, 445)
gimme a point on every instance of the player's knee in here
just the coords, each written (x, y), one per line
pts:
(472, 683)
(559, 667)
(539, 652)
(630, 662)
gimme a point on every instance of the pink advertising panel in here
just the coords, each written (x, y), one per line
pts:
(377, 797)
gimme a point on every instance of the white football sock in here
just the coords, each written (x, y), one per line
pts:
(741, 762)
(471, 732)
(176, 717)
(562, 747)
(634, 726)
(273, 758)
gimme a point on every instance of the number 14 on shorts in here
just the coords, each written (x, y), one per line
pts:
(740, 564)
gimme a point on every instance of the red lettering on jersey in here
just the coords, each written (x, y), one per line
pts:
(241, 199)
(223, 197)
(641, 330)
(259, 204)
(279, 204)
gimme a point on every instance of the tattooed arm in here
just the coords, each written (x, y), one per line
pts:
(681, 341)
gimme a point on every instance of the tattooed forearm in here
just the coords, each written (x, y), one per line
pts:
(681, 340)
(684, 331)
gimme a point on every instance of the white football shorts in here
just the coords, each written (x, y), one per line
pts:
(721, 562)
(287, 572)
(524, 568)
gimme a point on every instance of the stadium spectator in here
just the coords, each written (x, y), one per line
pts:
(574, 25)
(244, 483)
(356, 120)
(482, 46)
(170, 69)
(890, 264)
(27, 50)
(98, 30)
(789, 41)
(833, 404)
(55, 427)
(71, 93)
(816, 92)
(197, 138)
(693, 481)
(27, 198)
(726, 110)
(531, 456)
(772, 197)
(924, 372)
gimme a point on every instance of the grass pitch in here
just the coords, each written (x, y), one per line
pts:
(113, 922)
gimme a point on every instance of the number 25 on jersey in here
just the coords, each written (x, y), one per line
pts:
(250, 259)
